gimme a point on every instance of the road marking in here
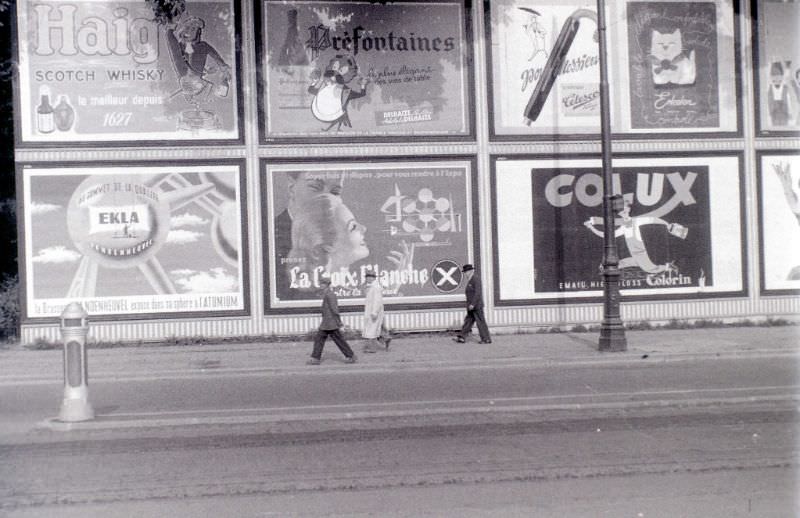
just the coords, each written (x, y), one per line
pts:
(569, 402)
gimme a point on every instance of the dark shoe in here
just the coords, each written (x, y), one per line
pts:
(313, 361)
(485, 342)
(459, 340)
(350, 359)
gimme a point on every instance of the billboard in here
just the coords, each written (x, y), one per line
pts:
(333, 70)
(115, 71)
(678, 234)
(409, 221)
(137, 241)
(779, 221)
(776, 66)
(668, 64)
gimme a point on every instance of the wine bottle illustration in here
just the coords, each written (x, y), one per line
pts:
(45, 115)
(292, 52)
(64, 114)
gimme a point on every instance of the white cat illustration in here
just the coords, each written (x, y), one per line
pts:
(670, 63)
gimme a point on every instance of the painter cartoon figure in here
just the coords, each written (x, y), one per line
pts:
(196, 61)
(796, 89)
(535, 32)
(332, 93)
(785, 176)
(629, 227)
(670, 63)
(783, 170)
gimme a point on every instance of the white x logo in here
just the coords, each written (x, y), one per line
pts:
(447, 276)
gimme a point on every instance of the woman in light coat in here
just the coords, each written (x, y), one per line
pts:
(374, 329)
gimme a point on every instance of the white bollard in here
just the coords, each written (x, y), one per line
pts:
(74, 328)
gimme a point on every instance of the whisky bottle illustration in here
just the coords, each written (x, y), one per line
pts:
(45, 116)
(292, 52)
(221, 90)
(64, 114)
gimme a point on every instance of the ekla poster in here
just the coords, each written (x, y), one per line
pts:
(135, 241)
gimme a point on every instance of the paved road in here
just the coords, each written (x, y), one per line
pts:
(253, 472)
(249, 439)
(126, 401)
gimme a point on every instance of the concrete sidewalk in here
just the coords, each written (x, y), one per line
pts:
(19, 365)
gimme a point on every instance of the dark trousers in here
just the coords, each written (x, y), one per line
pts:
(475, 316)
(338, 339)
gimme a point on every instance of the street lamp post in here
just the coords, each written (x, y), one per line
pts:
(612, 332)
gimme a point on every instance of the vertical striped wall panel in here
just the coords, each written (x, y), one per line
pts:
(501, 319)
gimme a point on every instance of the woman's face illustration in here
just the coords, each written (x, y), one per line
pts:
(349, 245)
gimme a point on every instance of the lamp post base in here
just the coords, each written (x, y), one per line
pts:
(612, 338)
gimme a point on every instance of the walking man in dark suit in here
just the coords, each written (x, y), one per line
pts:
(330, 326)
(474, 295)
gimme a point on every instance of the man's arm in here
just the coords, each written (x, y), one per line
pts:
(476, 296)
(330, 297)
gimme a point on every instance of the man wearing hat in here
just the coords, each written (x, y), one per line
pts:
(374, 329)
(474, 308)
(330, 326)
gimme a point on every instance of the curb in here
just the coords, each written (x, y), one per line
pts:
(430, 410)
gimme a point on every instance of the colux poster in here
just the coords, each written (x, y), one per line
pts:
(127, 71)
(545, 67)
(673, 236)
(409, 222)
(673, 63)
(778, 65)
(143, 241)
(779, 205)
(366, 69)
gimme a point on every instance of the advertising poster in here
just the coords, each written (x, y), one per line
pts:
(545, 67)
(678, 233)
(681, 66)
(777, 65)
(135, 241)
(409, 222)
(672, 68)
(334, 69)
(93, 71)
(779, 221)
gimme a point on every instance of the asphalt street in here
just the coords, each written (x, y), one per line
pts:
(184, 429)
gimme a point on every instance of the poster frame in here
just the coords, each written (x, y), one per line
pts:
(760, 154)
(337, 162)
(469, 76)
(494, 136)
(82, 144)
(627, 298)
(757, 87)
(22, 234)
